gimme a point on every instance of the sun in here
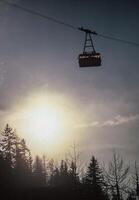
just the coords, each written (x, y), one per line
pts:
(46, 122)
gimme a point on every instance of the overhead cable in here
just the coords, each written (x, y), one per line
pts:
(69, 25)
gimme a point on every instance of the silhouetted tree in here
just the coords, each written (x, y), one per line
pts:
(74, 177)
(116, 176)
(64, 174)
(52, 173)
(23, 164)
(8, 145)
(74, 167)
(94, 181)
(7, 156)
(60, 175)
(55, 178)
(38, 172)
(45, 173)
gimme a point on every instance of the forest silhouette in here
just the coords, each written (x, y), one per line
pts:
(22, 177)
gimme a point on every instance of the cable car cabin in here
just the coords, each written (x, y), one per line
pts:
(92, 59)
(89, 57)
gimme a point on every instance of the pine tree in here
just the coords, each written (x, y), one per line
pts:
(8, 145)
(26, 156)
(55, 180)
(63, 168)
(51, 172)
(23, 163)
(74, 167)
(30, 160)
(38, 172)
(64, 174)
(94, 180)
(74, 177)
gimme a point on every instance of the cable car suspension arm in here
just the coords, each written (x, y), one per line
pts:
(88, 44)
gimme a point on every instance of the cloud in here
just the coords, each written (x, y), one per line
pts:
(118, 120)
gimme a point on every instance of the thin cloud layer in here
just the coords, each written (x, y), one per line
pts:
(118, 120)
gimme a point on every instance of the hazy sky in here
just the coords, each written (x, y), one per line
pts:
(39, 55)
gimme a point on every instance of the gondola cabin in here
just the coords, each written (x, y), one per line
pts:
(90, 60)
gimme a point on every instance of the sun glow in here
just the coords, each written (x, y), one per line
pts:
(43, 118)
(46, 122)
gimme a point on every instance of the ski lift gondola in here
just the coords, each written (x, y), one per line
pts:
(89, 58)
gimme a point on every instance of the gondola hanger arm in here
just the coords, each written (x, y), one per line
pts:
(87, 31)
